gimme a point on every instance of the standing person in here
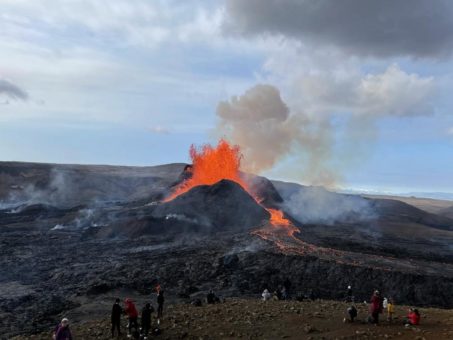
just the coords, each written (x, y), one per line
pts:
(376, 306)
(390, 310)
(287, 286)
(160, 304)
(132, 313)
(62, 331)
(146, 320)
(266, 295)
(116, 317)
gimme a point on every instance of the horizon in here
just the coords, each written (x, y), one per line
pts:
(135, 84)
(439, 195)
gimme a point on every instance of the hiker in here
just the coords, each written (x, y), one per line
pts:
(376, 307)
(352, 313)
(62, 331)
(116, 317)
(284, 294)
(349, 296)
(132, 313)
(277, 295)
(211, 298)
(160, 304)
(413, 318)
(266, 295)
(146, 319)
(390, 310)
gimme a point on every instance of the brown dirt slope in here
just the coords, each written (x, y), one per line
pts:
(430, 205)
(254, 319)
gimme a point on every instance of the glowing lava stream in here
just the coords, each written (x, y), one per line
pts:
(213, 164)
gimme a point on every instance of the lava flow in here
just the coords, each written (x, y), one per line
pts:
(213, 164)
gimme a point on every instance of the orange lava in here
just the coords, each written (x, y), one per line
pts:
(210, 165)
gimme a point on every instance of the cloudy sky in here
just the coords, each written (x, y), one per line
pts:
(353, 94)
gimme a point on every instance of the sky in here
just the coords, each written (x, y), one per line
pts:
(348, 94)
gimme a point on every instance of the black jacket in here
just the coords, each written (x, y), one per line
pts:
(146, 316)
(160, 299)
(116, 312)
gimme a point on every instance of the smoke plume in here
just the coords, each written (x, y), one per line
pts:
(304, 134)
(261, 124)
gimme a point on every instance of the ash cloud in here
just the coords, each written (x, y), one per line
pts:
(259, 122)
(268, 130)
(12, 91)
(385, 28)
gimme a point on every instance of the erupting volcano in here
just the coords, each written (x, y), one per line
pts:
(213, 164)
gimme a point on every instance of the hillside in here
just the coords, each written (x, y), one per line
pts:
(254, 319)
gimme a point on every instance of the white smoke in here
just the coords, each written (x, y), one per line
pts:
(269, 131)
(57, 192)
(317, 205)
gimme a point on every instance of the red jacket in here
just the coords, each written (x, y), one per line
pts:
(414, 318)
(376, 304)
(130, 309)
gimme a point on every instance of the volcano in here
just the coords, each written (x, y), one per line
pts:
(225, 205)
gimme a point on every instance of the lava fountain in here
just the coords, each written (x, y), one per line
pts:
(212, 164)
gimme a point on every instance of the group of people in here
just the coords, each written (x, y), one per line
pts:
(281, 293)
(379, 305)
(131, 311)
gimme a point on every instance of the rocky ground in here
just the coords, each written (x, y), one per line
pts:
(72, 238)
(255, 319)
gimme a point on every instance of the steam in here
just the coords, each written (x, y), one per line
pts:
(317, 205)
(57, 193)
(256, 120)
(304, 134)
(260, 123)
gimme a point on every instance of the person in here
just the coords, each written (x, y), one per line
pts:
(284, 294)
(352, 313)
(160, 304)
(266, 295)
(385, 303)
(413, 318)
(376, 307)
(116, 317)
(62, 331)
(390, 310)
(211, 298)
(132, 314)
(146, 319)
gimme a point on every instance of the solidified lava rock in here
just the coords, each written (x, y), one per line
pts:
(224, 206)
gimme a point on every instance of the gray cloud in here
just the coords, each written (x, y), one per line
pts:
(12, 91)
(417, 28)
